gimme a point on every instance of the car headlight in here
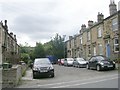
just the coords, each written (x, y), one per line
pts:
(51, 67)
(35, 68)
(113, 62)
(101, 63)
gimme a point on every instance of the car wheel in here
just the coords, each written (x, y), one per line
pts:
(113, 68)
(34, 77)
(98, 68)
(75, 66)
(52, 75)
(87, 66)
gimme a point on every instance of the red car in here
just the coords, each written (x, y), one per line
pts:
(60, 61)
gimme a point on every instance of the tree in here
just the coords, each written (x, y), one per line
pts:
(39, 51)
(57, 44)
(48, 48)
(25, 57)
(26, 54)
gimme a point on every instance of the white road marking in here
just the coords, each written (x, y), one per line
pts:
(77, 80)
(84, 83)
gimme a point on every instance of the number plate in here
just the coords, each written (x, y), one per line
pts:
(43, 71)
(110, 66)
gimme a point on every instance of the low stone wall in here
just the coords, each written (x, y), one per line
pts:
(12, 76)
(117, 66)
(24, 67)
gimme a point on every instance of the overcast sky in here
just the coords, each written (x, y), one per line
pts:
(39, 20)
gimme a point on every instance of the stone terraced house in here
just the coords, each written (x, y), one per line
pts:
(99, 38)
(9, 49)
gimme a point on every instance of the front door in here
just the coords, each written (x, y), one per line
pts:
(108, 49)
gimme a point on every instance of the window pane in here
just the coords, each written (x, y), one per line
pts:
(99, 32)
(116, 41)
(100, 49)
(116, 48)
(116, 45)
(115, 24)
(88, 35)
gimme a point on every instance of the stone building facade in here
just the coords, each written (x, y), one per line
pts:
(99, 38)
(119, 5)
(9, 49)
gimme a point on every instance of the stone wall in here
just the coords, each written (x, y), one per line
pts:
(12, 76)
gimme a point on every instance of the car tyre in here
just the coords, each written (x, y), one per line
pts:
(98, 67)
(52, 75)
(34, 77)
(87, 66)
(113, 68)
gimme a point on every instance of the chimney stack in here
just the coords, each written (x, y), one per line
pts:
(70, 37)
(1, 23)
(5, 26)
(83, 27)
(112, 7)
(90, 23)
(15, 37)
(100, 17)
(11, 34)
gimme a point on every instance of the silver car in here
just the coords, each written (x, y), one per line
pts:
(79, 62)
(68, 62)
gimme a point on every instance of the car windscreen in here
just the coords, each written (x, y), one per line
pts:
(42, 61)
(70, 59)
(100, 58)
(80, 59)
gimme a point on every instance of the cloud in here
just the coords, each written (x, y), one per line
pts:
(39, 20)
(32, 24)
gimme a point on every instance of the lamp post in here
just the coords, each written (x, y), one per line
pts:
(64, 44)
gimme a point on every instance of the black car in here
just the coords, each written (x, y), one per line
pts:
(42, 67)
(100, 63)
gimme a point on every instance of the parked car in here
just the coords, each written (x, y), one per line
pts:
(42, 67)
(61, 62)
(79, 62)
(58, 62)
(100, 63)
(68, 62)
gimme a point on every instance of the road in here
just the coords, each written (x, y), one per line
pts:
(71, 77)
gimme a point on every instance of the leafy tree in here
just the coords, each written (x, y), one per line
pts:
(55, 47)
(48, 48)
(58, 46)
(39, 51)
(25, 57)
(25, 53)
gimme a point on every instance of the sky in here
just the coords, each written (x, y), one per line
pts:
(39, 20)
